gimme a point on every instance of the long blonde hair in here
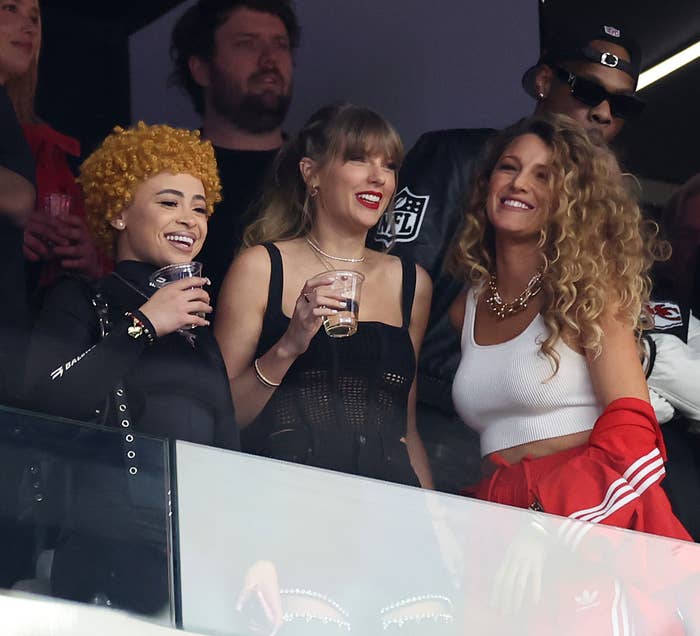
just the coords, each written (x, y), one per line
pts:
(596, 247)
(339, 130)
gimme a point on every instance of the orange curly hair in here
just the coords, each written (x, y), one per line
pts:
(128, 157)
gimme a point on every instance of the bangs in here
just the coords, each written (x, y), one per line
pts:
(363, 133)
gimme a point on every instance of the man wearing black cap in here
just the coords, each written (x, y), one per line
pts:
(589, 74)
(586, 71)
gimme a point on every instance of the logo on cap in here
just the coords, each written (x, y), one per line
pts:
(612, 31)
(408, 213)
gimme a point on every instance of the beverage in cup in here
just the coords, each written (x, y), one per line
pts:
(347, 283)
(172, 273)
(56, 205)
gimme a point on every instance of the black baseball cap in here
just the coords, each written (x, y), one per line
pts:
(571, 41)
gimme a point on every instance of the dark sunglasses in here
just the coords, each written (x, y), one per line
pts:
(592, 94)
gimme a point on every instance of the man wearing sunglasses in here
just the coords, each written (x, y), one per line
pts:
(588, 72)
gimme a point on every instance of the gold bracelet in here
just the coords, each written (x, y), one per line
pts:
(138, 328)
(263, 380)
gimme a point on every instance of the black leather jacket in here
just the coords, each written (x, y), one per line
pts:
(430, 201)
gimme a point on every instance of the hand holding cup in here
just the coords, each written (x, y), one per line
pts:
(43, 231)
(347, 283)
(76, 251)
(181, 304)
(318, 300)
(41, 237)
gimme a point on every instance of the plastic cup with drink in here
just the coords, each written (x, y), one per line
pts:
(172, 273)
(348, 284)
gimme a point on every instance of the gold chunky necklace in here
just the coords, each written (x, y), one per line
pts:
(501, 308)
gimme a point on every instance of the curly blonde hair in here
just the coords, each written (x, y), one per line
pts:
(597, 249)
(128, 157)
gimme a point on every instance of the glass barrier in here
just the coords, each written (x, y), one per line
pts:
(264, 543)
(29, 615)
(84, 514)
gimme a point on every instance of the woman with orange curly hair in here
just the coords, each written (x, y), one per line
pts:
(557, 256)
(149, 191)
(125, 354)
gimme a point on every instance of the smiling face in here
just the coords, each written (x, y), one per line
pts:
(20, 34)
(519, 197)
(165, 223)
(355, 190)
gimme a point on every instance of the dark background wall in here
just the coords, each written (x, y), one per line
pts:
(86, 82)
(83, 74)
(423, 65)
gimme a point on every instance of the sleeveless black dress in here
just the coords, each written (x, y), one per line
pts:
(343, 404)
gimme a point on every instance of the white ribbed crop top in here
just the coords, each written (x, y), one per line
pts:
(500, 390)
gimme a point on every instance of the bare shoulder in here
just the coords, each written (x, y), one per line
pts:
(252, 260)
(249, 273)
(424, 284)
(387, 262)
(457, 310)
(292, 248)
(393, 266)
(616, 371)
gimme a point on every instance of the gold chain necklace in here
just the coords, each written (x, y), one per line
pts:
(501, 308)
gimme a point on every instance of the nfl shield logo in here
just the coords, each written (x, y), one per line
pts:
(667, 315)
(612, 31)
(409, 210)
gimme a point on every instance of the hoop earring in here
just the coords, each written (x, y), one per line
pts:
(313, 193)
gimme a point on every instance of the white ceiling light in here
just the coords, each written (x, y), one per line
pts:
(673, 63)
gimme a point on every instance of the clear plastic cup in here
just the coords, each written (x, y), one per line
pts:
(349, 284)
(56, 205)
(172, 273)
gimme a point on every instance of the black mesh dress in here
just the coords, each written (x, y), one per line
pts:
(343, 404)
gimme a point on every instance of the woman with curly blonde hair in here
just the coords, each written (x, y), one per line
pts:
(557, 256)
